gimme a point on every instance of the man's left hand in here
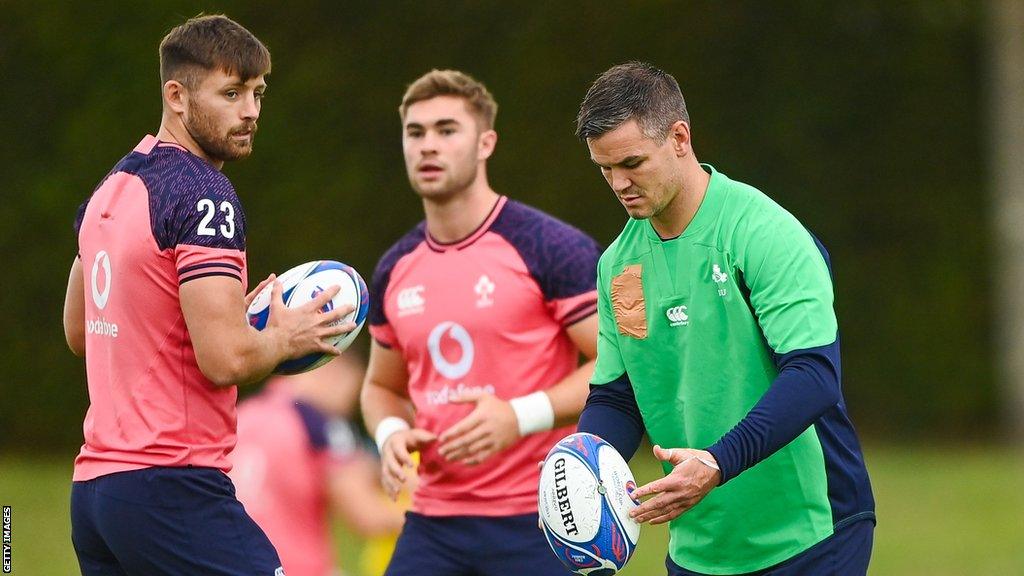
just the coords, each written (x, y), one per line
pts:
(488, 429)
(255, 291)
(683, 487)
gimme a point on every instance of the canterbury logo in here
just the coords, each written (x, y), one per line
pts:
(411, 301)
(677, 316)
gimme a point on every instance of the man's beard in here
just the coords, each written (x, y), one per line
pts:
(218, 147)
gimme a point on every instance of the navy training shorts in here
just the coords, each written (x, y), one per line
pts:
(473, 546)
(166, 521)
(845, 553)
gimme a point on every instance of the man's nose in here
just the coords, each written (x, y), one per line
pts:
(619, 181)
(429, 143)
(251, 107)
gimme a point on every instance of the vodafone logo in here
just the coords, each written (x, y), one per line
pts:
(100, 298)
(451, 370)
(100, 326)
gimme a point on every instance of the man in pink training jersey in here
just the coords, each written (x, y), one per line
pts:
(478, 317)
(156, 303)
(299, 454)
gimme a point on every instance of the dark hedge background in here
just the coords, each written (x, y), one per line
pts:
(864, 119)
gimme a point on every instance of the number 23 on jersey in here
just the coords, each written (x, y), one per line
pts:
(226, 230)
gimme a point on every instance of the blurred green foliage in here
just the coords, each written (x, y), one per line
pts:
(865, 119)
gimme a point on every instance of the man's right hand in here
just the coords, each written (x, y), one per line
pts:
(395, 458)
(302, 330)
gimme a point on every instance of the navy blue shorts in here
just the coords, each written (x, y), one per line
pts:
(844, 553)
(473, 546)
(172, 521)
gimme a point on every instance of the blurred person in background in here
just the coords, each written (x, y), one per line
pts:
(479, 316)
(300, 455)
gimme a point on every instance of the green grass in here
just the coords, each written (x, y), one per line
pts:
(942, 511)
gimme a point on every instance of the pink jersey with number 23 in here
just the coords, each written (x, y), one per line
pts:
(161, 218)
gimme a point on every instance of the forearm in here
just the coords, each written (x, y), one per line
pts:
(558, 405)
(357, 498)
(612, 413)
(379, 402)
(568, 396)
(240, 356)
(376, 517)
(255, 353)
(372, 515)
(806, 387)
(228, 350)
(74, 310)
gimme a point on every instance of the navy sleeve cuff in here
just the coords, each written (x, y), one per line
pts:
(611, 412)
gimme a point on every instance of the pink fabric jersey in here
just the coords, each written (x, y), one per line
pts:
(162, 217)
(486, 313)
(281, 468)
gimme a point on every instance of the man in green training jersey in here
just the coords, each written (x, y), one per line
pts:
(718, 338)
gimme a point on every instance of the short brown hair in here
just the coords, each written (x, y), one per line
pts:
(452, 83)
(634, 90)
(207, 43)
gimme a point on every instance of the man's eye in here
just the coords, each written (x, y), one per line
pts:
(231, 94)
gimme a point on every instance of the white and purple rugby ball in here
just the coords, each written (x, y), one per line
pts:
(300, 285)
(584, 502)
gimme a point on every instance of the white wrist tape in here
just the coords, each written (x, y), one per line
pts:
(534, 412)
(386, 428)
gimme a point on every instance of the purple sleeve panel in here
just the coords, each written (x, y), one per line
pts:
(205, 212)
(382, 274)
(561, 258)
(190, 202)
(80, 216)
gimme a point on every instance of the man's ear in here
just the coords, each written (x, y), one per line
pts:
(175, 96)
(485, 145)
(679, 135)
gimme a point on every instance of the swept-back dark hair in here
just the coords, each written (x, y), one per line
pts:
(634, 90)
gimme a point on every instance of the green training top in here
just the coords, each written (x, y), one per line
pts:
(693, 321)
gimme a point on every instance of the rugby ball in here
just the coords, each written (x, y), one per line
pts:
(300, 285)
(584, 499)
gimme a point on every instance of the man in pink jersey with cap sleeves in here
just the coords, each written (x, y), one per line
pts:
(301, 455)
(156, 303)
(478, 317)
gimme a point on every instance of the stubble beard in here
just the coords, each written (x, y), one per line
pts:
(644, 211)
(205, 132)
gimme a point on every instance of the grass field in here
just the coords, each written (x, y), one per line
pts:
(942, 511)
